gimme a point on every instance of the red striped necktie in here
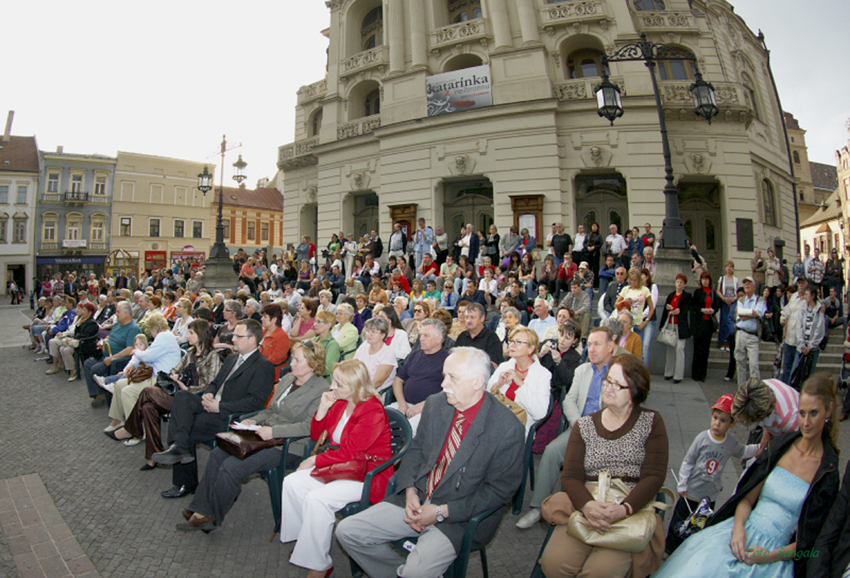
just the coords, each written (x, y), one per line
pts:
(453, 443)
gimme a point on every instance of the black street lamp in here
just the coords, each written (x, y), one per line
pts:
(610, 106)
(205, 183)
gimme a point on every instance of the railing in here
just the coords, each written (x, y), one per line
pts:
(49, 246)
(459, 33)
(76, 196)
(677, 91)
(102, 199)
(296, 149)
(312, 91)
(358, 127)
(566, 13)
(582, 88)
(373, 58)
(678, 21)
(97, 246)
(52, 197)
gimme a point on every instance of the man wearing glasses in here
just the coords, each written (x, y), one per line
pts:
(243, 384)
(584, 398)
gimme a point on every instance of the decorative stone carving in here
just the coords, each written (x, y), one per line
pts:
(678, 20)
(570, 91)
(653, 20)
(461, 164)
(603, 24)
(312, 91)
(297, 149)
(359, 180)
(358, 127)
(311, 193)
(373, 58)
(697, 163)
(460, 32)
(570, 10)
(596, 156)
(726, 95)
(557, 58)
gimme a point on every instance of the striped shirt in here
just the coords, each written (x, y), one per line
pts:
(784, 417)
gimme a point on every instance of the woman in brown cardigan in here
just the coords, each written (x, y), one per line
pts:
(630, 442)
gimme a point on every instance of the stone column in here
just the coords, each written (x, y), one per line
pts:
(528, 22)
(501, 23)
(418, 41)
(396, 35)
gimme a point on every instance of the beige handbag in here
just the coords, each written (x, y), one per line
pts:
(632, 533)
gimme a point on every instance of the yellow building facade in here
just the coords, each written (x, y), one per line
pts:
(367, 153)
(158, 214)
(252, 219)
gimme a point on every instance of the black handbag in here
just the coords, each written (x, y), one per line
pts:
(166, 384)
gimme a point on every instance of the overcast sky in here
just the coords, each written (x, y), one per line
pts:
(170, 78)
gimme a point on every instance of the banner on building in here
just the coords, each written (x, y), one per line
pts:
(458, 90)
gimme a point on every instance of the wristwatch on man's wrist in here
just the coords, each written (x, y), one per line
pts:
(440, 517)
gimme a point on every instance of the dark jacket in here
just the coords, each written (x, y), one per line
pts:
(248, 388)
(684, 314)
(562, 373)
(485, 471)
(86, 332)
(699, 325)
(833, 544)
(822, 492)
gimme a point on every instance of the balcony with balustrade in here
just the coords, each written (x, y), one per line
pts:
(312, 92)
(297, 154)
(678, 22)
(358, 127)
(374, 58)
(553, 16)
(459, 33)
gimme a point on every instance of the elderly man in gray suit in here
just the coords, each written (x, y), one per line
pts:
(466, 458)
(584, 398)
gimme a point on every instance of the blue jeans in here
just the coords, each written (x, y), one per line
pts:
(789, 359)
(646, 339)
(93, 367)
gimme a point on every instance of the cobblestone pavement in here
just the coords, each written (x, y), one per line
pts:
(126, 529)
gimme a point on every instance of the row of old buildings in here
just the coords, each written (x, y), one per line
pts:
(62, 211)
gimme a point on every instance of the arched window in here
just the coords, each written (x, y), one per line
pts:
(796, 157)
(682, 69)
(372, 29)
(73, 226)
(373, 103)
(768, 199)
(315, 124)
(584, 63)
(649, 5)
(752, 95)
(463, 10)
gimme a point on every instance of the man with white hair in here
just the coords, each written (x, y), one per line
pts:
(466, 458)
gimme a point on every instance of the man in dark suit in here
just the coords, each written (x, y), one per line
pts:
(243, 384)
(466, 458)
(121, 281)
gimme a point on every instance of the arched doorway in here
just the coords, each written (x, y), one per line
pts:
(602, 199)
(360, 213)
(309, 222)
(467, 201)
(699, 209)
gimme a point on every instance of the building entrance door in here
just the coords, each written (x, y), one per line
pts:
(699, 209)
(468, 202)
(601, 199)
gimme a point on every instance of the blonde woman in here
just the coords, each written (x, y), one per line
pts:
(344, 332)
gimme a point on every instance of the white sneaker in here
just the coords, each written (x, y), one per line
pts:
(111, 428)
(529, 519)
(133, 442)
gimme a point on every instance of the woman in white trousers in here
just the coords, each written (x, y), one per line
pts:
(678, 311)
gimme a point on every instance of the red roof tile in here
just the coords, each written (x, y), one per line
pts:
(267, 198)
(19, 154)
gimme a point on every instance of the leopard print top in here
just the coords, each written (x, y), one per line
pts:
(622, 456)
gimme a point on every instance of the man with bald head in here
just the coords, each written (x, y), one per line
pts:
(466, 458)
(606, 304)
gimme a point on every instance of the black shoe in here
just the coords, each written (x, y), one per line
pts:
(204, 524)
(111, 434)
(177, 492)
(668, 377)
(147, 468)
(173, 455)
(677, 381)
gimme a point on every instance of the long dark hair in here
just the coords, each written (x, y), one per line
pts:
(205, 336)
(392, 316)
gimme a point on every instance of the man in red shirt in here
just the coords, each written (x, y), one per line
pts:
(565, 274)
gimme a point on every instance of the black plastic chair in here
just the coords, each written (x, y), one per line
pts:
(537, 571)
(467, 547)
(528, 459)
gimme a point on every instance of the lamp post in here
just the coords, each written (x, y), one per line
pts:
(218, 268)
(610, 106)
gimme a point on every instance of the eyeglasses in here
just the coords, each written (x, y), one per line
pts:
(418, 311)
(517, 342)
(308, 344)
(607, 383)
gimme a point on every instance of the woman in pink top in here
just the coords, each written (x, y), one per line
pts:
(770, 403)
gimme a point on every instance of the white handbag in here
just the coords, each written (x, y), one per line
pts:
(669, 334)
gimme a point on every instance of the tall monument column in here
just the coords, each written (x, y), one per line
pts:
(528, 22)
(501, 23)
(417, 34)
(396, 35)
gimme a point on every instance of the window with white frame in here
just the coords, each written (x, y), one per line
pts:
(53, 182)
(3, 220)
(153, 228)
(125, 227)
(251, 230)
(197, 229)
(73, 225)
(48, 227)
(179, 225)
(22, 195)
(98, 224)
(4, 194)
(20, 231)
(100, 185)
(77, 183)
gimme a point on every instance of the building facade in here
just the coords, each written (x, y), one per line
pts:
(368, 149)
(19, 177)
(842, 161)
(159, 215)
(252, 219)
(73, 212)
(816, 182)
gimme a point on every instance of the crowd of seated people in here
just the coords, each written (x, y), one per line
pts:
(497, 346)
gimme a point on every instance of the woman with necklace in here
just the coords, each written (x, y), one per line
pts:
(521, 382)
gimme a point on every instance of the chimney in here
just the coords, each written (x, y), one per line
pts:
(60, 149)
(7, 134)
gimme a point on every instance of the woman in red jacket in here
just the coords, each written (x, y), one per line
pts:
(357, 429)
